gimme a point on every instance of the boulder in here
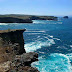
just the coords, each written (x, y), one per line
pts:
(26, 59)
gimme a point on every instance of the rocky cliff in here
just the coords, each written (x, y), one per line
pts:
(14, 20)
(18, 18)
(13, 57)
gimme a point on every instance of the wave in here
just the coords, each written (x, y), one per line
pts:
(33, 46)
(71, 46)
(47, 22)
(53, 63)
(35, 31)
(3, 24)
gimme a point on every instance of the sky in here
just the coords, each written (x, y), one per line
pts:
(36, 7)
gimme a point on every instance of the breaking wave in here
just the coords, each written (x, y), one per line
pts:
(3, 24)
(53, 63)
(32, 46)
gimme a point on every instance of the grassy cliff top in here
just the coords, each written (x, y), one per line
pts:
(21, 16)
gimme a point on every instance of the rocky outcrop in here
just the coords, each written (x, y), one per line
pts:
(4, 67)
(12, 39)
(65, 17)
(13, 57)
(24, 69)
(43, 18)
(27, 58)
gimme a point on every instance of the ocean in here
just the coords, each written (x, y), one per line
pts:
(52, 40)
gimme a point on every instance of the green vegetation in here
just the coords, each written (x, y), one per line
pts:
(17, 18)
(20, 16)
(9, 29)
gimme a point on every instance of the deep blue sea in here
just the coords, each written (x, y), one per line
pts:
(51, 39)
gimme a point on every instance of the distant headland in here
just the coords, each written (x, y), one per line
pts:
(18, 18)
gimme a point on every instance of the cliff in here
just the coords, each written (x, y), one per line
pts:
(14, 18)
(13, 57)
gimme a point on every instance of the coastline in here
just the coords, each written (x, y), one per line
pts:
(13, 18)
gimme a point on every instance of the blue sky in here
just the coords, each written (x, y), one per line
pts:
(36, 7)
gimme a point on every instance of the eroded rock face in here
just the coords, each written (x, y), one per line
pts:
(21, 63)
(13, 57)
(12, 38)
(11, 44)
(4, 67)
(14, 20)
(24, 69)
(26, 59)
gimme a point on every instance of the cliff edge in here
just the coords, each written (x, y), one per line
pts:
(13, 57)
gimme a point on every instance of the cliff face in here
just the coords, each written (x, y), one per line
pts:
(23, 18)
(13, 56)
(11, 43)
(13, 38)
(14, 20)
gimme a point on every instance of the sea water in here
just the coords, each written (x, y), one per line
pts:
(51, 39)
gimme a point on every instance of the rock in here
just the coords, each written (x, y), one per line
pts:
(24, 69)
(4, 67)
(65, 17)
(12, 38)
(11, 44)
(30, 69)
(13, 57)
(26, 59)
(22, 63)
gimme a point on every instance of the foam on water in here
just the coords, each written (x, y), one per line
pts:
(70, 57)
(53, 63)
(47, 22)
(71, 46)
(32, 46)
(35, 31)
(3, 24)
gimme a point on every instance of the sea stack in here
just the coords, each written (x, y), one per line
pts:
(65, 17)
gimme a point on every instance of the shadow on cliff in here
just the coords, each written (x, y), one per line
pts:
(14, 20)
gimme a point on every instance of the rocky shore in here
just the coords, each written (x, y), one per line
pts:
(13, 57)
(14, 18)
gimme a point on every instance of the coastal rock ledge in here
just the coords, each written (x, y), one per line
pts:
(13, 57)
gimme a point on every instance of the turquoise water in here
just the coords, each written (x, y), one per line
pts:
(51, 39)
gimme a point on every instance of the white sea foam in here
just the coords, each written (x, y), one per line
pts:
(35, 31)
(71, 46)
(32, 46)
(56, 38)
(56, 63)
(69, 56)
(51, 36)
(41, 52)
(3, 24)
